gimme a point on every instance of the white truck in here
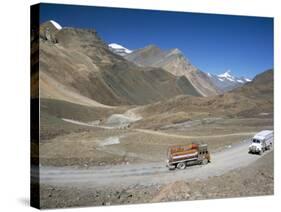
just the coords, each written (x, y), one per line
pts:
(261, 142)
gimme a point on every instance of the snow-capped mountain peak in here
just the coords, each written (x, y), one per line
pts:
(119, 49)
(227, 81)
(227, 75)
(175, 51)
(247, 79)
(56, 24)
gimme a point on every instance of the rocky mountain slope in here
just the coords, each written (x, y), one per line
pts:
(77, 66)
(177, 64)
(48, 30)
(254, 99)
(261, 87)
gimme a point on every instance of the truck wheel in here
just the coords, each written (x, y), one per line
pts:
(205, 161)
(181, 165)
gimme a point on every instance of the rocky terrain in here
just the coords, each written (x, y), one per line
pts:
(103, 111)
(175, 63)
(238, 183)
(255, 99)
(77, 66)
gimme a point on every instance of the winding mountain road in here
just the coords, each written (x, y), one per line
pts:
(148, 173)
(195, 136)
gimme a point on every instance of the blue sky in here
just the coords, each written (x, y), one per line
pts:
(213, 43)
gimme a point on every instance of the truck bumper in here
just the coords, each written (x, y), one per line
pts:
(254, 151)
(170, 166)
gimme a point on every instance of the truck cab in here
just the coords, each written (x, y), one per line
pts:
(261, 142)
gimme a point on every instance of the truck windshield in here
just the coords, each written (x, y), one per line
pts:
(256, 141)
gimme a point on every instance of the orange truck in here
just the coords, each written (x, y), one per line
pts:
(180, 156)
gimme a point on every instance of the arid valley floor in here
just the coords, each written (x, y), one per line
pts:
(106, 122)
(86, 163)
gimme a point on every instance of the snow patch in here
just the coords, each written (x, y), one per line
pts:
(115, 46)
(56, 24)
(226, 74)
(119, 47)
(175, 51)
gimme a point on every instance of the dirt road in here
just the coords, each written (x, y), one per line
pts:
(196, 136)
(146, 174)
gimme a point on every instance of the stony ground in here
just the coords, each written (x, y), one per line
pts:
(86, 146)
(91, 146)
(256, 179)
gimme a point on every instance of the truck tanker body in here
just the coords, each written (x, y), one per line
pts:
(180, 156)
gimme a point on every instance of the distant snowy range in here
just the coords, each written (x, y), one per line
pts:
(227, 81)
(224, 82)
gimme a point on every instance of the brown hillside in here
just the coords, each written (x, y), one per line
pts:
(79, 67)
